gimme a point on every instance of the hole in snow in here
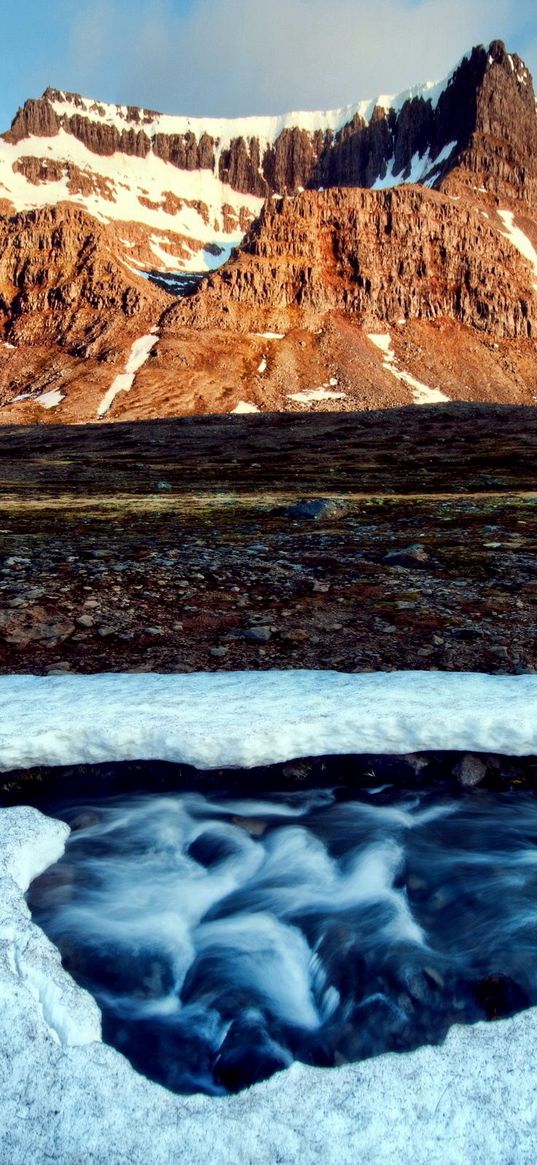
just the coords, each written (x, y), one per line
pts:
(225, 935)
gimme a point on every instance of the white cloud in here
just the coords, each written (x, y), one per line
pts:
(236, 56)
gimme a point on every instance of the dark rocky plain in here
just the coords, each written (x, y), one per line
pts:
(356, 542)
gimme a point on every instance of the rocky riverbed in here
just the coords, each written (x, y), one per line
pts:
(371, 542)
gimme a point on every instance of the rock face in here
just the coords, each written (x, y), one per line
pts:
(60, 284)
(354, 251)
(499, 155)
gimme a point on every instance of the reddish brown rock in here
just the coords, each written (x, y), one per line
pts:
(59, 282)
(376, 255)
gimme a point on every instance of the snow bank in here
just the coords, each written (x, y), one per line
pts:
(258, 718)
(29, 843)
(472, 1100)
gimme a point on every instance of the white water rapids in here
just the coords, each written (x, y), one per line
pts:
(224, 938)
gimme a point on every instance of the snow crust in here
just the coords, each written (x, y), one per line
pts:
(471, 1100)
(422, 394)
(246, 719)
(519, 240)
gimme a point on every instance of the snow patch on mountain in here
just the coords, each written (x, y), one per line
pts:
(136, 192)
(519, 240)
(312, 395)
(422, 169)
(244, 407)
(422, 393)
(49, 400)
(139, 355)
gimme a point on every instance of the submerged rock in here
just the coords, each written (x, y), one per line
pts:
(500, 996)
(248, 1055)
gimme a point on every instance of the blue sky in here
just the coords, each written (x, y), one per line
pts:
(230, 57)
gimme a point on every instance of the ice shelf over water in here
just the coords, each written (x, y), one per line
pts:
(245, 719)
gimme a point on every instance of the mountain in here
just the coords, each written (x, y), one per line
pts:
(380, 254)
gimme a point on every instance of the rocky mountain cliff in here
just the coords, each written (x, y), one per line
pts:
(376, 256)
(377, 244)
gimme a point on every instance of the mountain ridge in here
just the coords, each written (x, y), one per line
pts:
(416, 216)
(265, 155)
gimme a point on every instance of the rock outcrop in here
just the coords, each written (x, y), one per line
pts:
(60, 284)
(499, 156)
(375, 255)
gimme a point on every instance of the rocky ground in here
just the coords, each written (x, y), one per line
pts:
(184, 545)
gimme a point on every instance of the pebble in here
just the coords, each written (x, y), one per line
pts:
(297, 635)
(257, 634)
(85, 621)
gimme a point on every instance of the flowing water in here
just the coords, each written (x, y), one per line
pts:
(224, 938)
